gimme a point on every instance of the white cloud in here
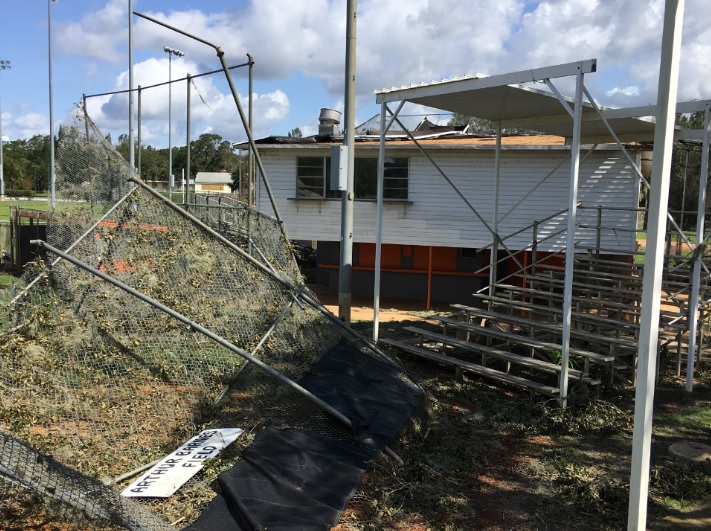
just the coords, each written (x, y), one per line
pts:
(398, 42)
(30, 124)
(212, 110)
(96, 35)
(624, 91)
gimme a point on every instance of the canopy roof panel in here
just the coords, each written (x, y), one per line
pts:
(505, 99)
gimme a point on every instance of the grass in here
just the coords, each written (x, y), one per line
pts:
(6, 280)
(32, 204)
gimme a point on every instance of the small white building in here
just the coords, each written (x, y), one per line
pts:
(213, 182)
(433, 241)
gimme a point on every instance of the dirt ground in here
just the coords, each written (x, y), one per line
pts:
(499, 459)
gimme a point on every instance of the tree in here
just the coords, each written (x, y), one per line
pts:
(211, 152)
(481, 126)
(295, 133)
(685, 174)
(26, 163)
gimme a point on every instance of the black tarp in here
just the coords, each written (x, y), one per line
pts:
(377, 397)
(299, 480)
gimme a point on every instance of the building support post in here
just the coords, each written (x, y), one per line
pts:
(379, 225)
(570, 237)
(654, 256)
(494, 259)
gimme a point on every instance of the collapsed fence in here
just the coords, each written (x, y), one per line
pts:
(156, 324)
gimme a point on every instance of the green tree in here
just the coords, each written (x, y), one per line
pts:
(295, 133)
(685, 174)
(211, 152)
(481, 126)
(26, 163)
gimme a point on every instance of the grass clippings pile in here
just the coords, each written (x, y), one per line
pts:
(500, 459)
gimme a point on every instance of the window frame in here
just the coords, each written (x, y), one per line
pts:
(365, 184)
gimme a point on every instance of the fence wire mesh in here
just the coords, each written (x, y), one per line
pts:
(106, 384)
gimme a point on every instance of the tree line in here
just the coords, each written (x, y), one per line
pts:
(26, 162)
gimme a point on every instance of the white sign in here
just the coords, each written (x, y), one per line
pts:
(174, 470)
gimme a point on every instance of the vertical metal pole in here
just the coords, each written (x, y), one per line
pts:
(131, 148)
(598, 234)
(86, 117)
(170, 125)
(494, 259)
(139, 130)
(699, 255)
(429, 278)
(251, 180)
(345, 271)
(52, 198)
(379, 225)
(2, 175)
(570, 237)
(186, 184)
(652, 281)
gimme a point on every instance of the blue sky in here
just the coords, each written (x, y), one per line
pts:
(299, 51)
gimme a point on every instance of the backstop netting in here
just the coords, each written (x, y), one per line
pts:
(96, 383)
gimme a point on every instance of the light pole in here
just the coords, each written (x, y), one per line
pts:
(171, 52)
(52, 199)
(4, 65)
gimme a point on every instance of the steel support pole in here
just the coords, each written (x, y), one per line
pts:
(2, 174)
(345, 270)
(186, 184)
(379, 225)
(131, 147)
(138, 142)
(170, 125)
(654, 256)
(698, 254)
(570, 237)
(198, 328)
(494, 258)
(52, 196)
(251, 196)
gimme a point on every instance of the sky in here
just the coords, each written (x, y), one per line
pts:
(299, 56)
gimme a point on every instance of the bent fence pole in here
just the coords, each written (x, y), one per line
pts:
(206, 332)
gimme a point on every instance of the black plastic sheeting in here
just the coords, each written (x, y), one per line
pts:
(298, 480)
(372, 394)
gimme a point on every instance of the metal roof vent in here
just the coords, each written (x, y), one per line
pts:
(328, 122)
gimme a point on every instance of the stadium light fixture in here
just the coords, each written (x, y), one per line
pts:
(171, 52)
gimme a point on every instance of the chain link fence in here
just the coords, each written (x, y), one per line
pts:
(96, 383)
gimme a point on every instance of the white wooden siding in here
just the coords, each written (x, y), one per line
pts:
(534, 184)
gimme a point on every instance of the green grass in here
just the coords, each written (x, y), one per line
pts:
(33, 204)
(6, 280)
(687, 422)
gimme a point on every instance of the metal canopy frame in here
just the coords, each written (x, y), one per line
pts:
(501, 98)
(493, 98)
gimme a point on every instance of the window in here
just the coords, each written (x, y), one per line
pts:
(394, 179)
(313, 178)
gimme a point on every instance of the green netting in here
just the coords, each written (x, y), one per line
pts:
(106, 383)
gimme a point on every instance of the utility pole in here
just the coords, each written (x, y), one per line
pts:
(4, 65)
(345, 271)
